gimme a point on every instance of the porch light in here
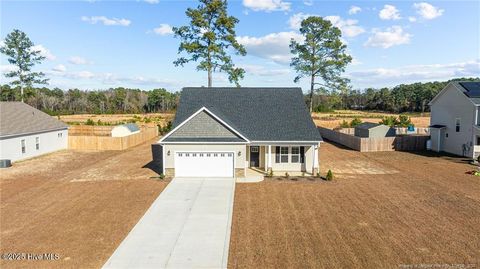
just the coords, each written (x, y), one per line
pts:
(168, 153)
(239, 153)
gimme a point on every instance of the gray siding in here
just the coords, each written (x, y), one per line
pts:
(448, 106)
(375, 132)
(203, 125)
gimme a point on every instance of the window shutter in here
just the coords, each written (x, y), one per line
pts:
(277, 154)
(302, 154)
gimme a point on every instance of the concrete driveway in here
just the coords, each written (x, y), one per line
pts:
(187, 226)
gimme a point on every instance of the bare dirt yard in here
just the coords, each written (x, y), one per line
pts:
(78, 205)
(383, 210)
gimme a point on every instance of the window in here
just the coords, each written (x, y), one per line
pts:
(295, 154)
(254, 149)
(478, 141)
(284, 154)
(24, 149)
(457, 125)
(60, 135)
(37, 143)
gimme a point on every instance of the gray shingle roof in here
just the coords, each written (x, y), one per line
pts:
(260, 114)
(19, 118)
(367, 125)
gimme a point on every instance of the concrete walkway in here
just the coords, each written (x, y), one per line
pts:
(187, 226)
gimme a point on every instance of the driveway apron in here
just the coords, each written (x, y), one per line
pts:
(187, 226)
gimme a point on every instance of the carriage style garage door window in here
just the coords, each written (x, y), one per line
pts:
(204, 164)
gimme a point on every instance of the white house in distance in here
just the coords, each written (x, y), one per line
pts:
(26, 132)
(455, 119)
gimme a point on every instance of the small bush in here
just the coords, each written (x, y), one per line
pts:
(344, 124)
(270, 173)
(89, 122)
(329, 176)
(323, 108)
(161, 176)
(389, 121)
(404, 121)
(287, 175)
(356, 121)
(318, 175)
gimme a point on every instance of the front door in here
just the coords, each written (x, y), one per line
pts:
(254, 156)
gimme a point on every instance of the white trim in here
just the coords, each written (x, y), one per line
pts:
(196, 113)
(274, 142)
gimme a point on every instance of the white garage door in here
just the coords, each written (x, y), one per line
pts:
(204, 164)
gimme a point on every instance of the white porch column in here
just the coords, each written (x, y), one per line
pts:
(315, 160)
(269, 158)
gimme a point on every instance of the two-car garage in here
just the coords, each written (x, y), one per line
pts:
(204, 164)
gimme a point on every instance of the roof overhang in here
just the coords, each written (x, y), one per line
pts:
(437, 126)
(161, 141)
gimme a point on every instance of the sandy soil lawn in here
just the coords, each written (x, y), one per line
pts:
(409, 209)
(79, 205)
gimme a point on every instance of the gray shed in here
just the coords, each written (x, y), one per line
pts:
(374, 130)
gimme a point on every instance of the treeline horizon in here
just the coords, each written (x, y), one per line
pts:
(412, 97)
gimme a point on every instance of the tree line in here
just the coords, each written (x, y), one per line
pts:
(401, 98)
(74, 101)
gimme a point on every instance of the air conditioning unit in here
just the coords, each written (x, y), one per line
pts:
(5, 163)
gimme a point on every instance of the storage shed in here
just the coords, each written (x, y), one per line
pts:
(125, 130)
(374, 130)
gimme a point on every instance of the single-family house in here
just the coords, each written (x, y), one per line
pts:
(455, 119)
(27, 132)
(222, 132)
(373, 130)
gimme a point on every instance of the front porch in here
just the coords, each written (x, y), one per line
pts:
(296, 159)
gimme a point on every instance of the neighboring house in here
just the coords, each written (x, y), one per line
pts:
(222, 132)
(373, 130)
(125, 130)
(27, 132)
(455, 120)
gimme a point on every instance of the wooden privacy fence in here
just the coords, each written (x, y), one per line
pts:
(89, 142)
(398, 130)
(401, 142)
(90, 130)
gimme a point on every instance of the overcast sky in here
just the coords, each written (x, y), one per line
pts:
(102, 44)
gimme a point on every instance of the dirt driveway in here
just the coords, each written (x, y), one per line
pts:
(78, 205)
(405, 210)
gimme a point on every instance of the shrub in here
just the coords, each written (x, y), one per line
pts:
(161, 176)
(147, 120)
(404, 121)
(344, 124)
(329, 176)
(318, 175)
(270, 173)
(389, 121)
(165, 129)
(356, 121)
(287, 175)
(89, 122)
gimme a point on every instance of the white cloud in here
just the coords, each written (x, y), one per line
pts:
(308, 2)
(354, 10)
(259, 70)
(393, 36)
(152, 1)
(106, 21)
(349, 28)
(44, 52)
(412, 19)
(59, 68)
(389, 12)
(163, 29)
(267, 5)
(8, 68)
(274, 46)
(78, 60)
(415, 73)
(427, 11)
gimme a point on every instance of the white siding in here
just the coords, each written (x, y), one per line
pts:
(11, 148)
(452, 104)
